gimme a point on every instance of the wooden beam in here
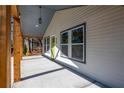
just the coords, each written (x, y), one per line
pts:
(15, 11)
(5, 70)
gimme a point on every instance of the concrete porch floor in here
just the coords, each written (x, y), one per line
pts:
(40, 72)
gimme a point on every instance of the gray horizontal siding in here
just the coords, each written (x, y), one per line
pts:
(105, 40)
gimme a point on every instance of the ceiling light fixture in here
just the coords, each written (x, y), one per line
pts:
(36, 25)
(40, 19)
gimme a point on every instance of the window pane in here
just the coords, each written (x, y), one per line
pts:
(48, 47)
(44, 41)
(77, 52)
(64, 38)
(48, 43)
(44, 44)
(48, 40)
(44, 48)
(77, 35)
(64, 50)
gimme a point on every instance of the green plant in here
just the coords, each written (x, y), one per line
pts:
(25, 50)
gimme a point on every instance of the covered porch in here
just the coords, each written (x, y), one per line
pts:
(68, 46)
(41, 72)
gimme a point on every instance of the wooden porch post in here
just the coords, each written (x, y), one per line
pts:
(17, 44)
(17, 52)
(5, 69)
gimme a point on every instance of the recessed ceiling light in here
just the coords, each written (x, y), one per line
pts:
(36, 25)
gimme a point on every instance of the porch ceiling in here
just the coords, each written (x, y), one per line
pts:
(30, 14)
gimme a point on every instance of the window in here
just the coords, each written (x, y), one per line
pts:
(73, 43)
(77, 35)
(64, 44)
(46, 44)
(77, 43)
(64, 38)
(77, 52)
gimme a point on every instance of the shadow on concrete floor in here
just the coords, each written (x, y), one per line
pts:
(39, 74)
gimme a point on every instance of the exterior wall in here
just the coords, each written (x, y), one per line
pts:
(104, 41)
